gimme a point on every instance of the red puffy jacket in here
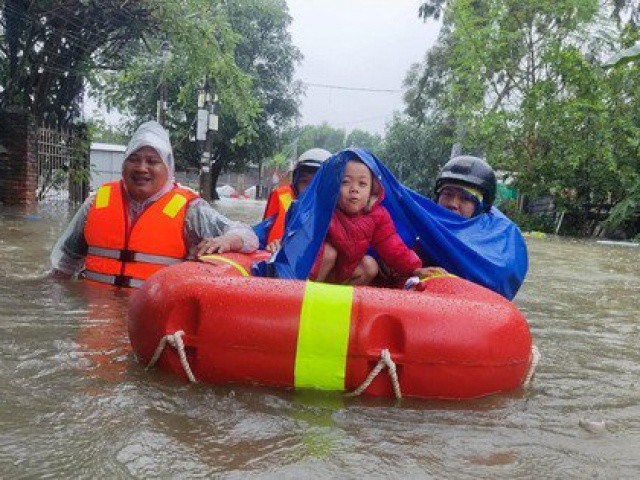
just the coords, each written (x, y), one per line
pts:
(353, 235)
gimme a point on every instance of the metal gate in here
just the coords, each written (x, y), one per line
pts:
(63, 165)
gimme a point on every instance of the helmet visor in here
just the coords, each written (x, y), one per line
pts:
(467, 192)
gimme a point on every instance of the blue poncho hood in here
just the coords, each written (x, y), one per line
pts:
(487, 249)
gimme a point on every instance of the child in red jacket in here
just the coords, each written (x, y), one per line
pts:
(360, 222)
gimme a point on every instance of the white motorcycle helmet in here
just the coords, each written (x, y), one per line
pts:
(309, 161)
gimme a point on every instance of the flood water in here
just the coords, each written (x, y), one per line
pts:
(75, 403)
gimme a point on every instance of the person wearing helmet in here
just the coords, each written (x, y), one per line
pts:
(466, 185)
(309, 162)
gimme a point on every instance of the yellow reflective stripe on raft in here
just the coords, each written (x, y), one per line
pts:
(323, 336)
(102, 196)
(238, 267)
(172, 208)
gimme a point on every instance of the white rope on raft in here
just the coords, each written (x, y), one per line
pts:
(175, 340)
(385, 361)
(535, 358)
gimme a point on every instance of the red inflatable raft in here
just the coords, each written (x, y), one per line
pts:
(211, 323)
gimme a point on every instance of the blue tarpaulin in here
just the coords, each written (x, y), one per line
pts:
(487, 249)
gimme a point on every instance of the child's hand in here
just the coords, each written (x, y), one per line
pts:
(273, 246)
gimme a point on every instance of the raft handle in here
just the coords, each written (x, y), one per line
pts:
(385, 361)
(175, 340)
(535, 358)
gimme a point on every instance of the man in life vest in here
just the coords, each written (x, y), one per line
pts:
(309, 162)
(466, 185)
(135, 226)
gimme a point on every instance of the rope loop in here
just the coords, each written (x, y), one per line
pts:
(385, 361)
(175, 340)
(535, 358)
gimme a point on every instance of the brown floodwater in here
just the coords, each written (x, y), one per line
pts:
(76, 404)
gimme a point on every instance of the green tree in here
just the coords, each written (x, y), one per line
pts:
(315, 136)
(624, 83)
(48, 49)
(362, 139)
(245, 51)
(266, 53)
(521, 81)
(415, 152)
(101, 131)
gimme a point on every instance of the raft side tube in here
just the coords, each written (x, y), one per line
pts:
(444, 346)
(453, 340)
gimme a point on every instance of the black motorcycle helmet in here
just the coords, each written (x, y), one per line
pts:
(471, 171)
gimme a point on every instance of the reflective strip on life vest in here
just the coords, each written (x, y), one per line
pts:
(237, 266)
(117, 280)
(102, 196)
(172, 208)
(285, 199)
(323, 336)
(129, 256)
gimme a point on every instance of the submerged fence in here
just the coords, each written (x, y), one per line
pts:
(62, 165)
(39, 164)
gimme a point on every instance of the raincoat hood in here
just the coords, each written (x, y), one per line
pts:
(152, 134)
(487, 249)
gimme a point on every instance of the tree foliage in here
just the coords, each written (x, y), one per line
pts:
(202, 45)
(101, 131)
(523, 83)
(48, 49)
(244, 50)
(415, 152)
(624, 81)
(296, 140)
(324, 136)
(361, 139)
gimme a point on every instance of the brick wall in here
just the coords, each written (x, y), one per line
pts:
(18, 162)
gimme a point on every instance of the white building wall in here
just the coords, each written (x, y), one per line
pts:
(106, 163)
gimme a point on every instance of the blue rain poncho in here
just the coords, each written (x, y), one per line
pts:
(487, 249)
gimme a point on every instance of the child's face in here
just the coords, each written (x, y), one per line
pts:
(355, 189)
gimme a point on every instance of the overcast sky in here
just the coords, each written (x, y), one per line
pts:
(358, 44)
(362, 44)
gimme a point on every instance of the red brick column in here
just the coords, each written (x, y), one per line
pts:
(18, 162)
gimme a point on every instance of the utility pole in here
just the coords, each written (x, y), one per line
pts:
(206, 127)
(294, 153)
(259, 187)
(161, 111)
(162, 104)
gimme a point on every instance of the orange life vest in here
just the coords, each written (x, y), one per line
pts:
(278, 204)
(126, 256)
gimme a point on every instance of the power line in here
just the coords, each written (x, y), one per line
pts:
(343, 87)
(364, 120)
